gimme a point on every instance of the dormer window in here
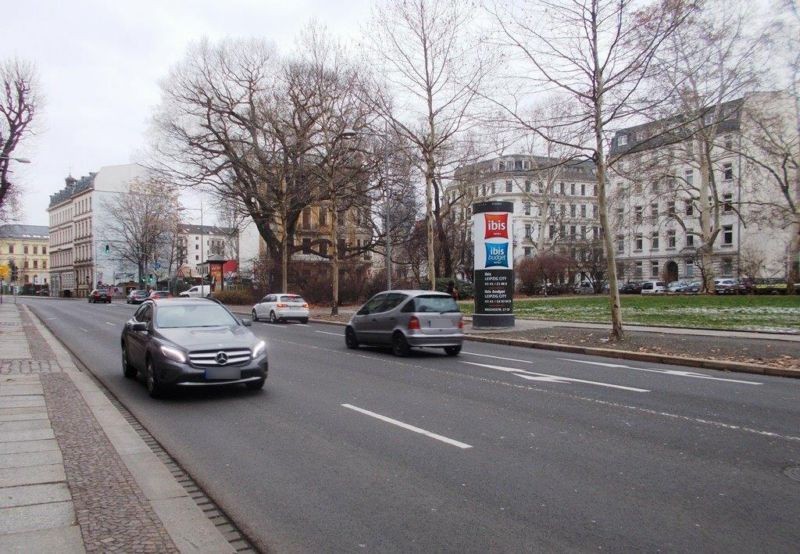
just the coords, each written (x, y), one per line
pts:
(622, 140)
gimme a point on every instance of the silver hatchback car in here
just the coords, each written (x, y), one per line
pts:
(404, 319)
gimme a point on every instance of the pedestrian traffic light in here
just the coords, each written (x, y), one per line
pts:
(151, 279)
(107, 249)
(14, 273)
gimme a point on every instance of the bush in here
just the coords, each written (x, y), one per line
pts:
(234, 297)
(466, 290)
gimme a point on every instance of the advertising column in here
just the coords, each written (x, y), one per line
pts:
(494, 264)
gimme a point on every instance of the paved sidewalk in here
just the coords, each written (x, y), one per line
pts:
(74, 475)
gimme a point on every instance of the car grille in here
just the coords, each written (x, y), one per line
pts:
(209, 357)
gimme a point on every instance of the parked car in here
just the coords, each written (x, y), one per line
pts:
(100, 295)
(584, 288)
(154, 294)
(726, 286)
(281, 307)
(137, 296)
(404, 319)
(654, 287)
(677, 286)
(191, 342)
(693, 287)
(197, 291)
(631, 287)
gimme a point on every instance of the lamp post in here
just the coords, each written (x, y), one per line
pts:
(19, 160)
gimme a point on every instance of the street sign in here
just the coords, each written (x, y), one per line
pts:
(156, 265)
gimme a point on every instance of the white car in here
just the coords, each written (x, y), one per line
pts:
(654, 287)
(281, 307)
(198, 291)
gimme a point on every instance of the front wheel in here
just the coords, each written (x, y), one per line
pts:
(255, 385)
(154, 388)
(254, 315)
(350, 338)
(127, 369)
(400, 345)
(452, 350)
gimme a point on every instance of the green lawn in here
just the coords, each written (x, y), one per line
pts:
(766, 313)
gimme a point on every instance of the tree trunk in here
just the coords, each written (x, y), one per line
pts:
(285, 262)
(707, 236)
(429, 226)
(793, 258)
(334, 261)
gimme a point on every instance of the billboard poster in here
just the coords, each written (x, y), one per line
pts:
(493, 240)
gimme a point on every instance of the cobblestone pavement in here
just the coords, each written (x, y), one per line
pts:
(112, 511)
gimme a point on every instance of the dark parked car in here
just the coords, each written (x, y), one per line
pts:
(404, 319)
(100, 295)
(631, 287)
(137, 296)
(191, 342)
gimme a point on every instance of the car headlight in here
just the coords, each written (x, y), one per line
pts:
(173, 354)
(259, 349)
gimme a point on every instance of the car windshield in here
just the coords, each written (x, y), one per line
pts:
(435, 303)
(291, 298)
(197, 315)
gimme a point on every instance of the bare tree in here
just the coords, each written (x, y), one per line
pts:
(596, 54)
(18, 107)
(427, 54)
(143, 228)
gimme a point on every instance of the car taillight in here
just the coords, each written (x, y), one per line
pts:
(305, 304)
(282, 306)
(413, 323)
(461, 323)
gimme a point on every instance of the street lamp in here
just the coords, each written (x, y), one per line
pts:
(20, 160)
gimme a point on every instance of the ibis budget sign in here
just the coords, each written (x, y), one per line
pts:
(492, 230)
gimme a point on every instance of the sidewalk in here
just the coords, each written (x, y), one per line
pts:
(74, 475)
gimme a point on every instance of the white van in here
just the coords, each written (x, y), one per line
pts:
(197, 291)
(654, 287)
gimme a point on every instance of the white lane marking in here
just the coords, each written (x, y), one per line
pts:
(329, 333)
(51, 318)
(497, 357)
(578, 397)
(84, 330)
(109, 323)
(676, 372)
(548, 378)
(408, 427)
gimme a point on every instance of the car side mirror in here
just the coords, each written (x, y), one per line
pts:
(247, 322)
(139, 326)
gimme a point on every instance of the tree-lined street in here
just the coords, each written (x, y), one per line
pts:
(502, 448)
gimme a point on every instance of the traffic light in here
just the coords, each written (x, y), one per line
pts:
(14, 273)
(107, 249)
(151, 279)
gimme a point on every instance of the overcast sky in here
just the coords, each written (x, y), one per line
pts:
(100, 62)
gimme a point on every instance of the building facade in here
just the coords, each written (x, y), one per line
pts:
(80, 239)
(555, 202)
(196, 243)
(25, 247)
(676, 211)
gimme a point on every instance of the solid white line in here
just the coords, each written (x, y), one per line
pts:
(329, 333)
(408, 427)
(109, 323)
(497, 357)
(675, 372)
(546, 377)
(84, 330)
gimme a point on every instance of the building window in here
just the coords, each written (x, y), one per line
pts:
(583, 190)
(517, 164)
(689, 239)
(583, 232)
(26, 264)
(671, 208)
(572, 210)
(654, 241)
(35, 249)
(306, 246)
(727, 266)
(637, 243)
(595, 211)
(653, 269)
(583, 210)
(727, 172)
(620, 244)
(494, 189)
(197, 258)
(654, 212)
(527, 231)
(620, 215)
(323, 216)
(572, 189)
(727, 202)
(528, 251)
(622, 140)
(563, 188)
(323, 248)
(501, 166)
(727, 235)
(527, 186)
(552, 231)
(637, 214)
(10, 248)
(563, 210)
(527, 208)
(572, 232)
(509, 186)
(483, 188)
(689, 176)
(728, 142)
(689, 207)
(25, 249)
(197, 247)
(44, 250)
(671, 239)
(689, 267)
(637, 270)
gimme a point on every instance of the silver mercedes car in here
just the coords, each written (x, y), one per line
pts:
(404, 319)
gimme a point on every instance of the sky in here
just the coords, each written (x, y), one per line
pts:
(100, 62)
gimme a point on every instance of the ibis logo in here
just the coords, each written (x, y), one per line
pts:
(496, 226)
(497, 255)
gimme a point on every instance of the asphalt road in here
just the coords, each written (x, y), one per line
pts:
(500, 449)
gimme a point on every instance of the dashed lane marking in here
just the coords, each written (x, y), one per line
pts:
(329, 333)
(674, 372)
(408, 427)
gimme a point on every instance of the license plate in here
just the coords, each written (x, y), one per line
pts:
(440, 323)
(220, 373)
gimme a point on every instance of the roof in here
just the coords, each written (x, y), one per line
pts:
(577, 169)
(189, 229)
(24, 231)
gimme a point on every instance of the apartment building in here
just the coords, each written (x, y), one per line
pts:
(555, 202)
(25, 247)
(661, 188)
(80, 238)
(196, 243)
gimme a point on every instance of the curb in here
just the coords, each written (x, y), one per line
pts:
(733, 367)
